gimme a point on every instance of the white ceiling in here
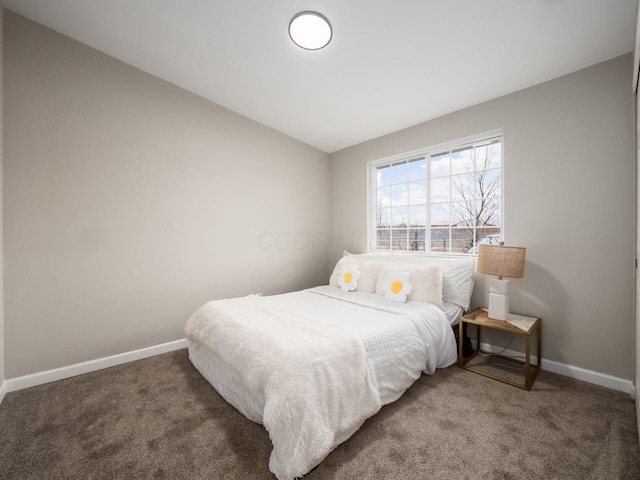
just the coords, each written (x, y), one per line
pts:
(390, 64)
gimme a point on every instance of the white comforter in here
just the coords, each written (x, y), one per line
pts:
(402, 340)
(321, 361)
(318, 384)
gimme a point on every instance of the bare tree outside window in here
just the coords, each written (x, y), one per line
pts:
(478, 192)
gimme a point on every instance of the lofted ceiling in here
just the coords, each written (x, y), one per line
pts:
(390, 64)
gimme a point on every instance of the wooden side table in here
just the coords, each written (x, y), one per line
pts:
(480, 318)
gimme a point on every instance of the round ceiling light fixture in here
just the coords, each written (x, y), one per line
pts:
(310, 30)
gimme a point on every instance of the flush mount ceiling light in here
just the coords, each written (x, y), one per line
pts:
(310, 30)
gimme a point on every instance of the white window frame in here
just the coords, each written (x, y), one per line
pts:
(427, 152)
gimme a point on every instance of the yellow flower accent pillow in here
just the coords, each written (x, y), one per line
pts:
(349, 277)
(426, 281)
(368, 274)
(397, 286)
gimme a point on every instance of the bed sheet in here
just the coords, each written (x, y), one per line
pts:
(453, 313)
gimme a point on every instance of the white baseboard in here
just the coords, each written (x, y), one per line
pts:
(638, 412)
(590, 376)
(18, 383)
(570, 371)
(3, 390)
(40, 378)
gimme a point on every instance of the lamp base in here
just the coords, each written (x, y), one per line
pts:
(498, 299)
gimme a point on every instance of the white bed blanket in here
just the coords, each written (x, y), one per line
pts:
(402, 340)
(316, 379)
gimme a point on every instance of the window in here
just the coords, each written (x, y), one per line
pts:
(447, 200)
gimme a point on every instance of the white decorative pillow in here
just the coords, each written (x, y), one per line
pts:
(427, 282)
(397, 286)
(427, 285)
(368, 277)
(457, 277)
(368, 273)
(349, 277)
(333, 280)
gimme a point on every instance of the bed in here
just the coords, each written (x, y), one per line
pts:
(313, 365)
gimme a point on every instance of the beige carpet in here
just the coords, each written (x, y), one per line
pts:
(158, 419)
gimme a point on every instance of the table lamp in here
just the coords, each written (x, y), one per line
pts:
(500, 261)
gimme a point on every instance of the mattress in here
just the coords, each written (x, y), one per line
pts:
(401, 341)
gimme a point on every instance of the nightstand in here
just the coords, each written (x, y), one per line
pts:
(480, 318)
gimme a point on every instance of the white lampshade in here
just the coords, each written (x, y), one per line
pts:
(310, 30)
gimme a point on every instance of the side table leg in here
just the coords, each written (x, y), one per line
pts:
(460, 342)
(540, 344)
(527, 366)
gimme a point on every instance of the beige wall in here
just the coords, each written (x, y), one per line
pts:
(130, 202)
(569, 198)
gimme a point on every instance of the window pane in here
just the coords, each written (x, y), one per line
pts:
(489, 183)
(463, 187)
(383, 197)
(383, 217)
(489, 156)
(399, 195)
(440, 190)
(399, 217)
(383, 175)
(464, 213)
(462, 161)
(440, 240)
(418, 169)
(440, 165)
(400, 172)
(476, 213)
(417, 216)
(418, 193)
(490, 236)
(489, 213)
(399, 239)
(440, 215)
(461, 240)
(416, 239)
(383, 239)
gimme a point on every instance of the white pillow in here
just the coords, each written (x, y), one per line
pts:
(348, 278)
(427, 285)
(397, 286)
(333, 279)
(369, 277)
(457, 272)
(426, 281)
(368, 274)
